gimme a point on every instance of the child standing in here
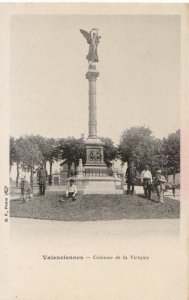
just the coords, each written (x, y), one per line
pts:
(25, 189)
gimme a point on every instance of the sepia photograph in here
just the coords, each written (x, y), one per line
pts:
(94, 201)
(88, 114)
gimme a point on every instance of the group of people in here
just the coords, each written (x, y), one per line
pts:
(26, 191)
(131, 174)
(42, 178)
(146, 180)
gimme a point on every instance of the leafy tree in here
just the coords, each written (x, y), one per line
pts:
(72, 150)
(137, 143)
(49, 150)
(17, 158)
(52, 154)
(110, 151)
(158, 158)
(12, 152)
(14, 156)
(28, 154)
(43, 146)
(171, 146)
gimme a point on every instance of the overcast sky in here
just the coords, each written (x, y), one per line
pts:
(139, 82)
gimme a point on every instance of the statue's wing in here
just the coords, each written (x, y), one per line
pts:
(86, 35)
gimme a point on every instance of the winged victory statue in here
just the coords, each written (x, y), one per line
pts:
(93, 40)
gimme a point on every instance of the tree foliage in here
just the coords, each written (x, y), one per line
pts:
(72, 150)
(12, 152)
(171, 147)
(110, 151)
(49, 150)
(28, 152)
(138, 144)
(43, 145)
(28, 155)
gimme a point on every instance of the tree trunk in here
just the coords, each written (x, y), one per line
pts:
(45, 164)
(17, 175)
(31, 179)
(174, 173)
(166, 176)
(50, 176)
(69, 171)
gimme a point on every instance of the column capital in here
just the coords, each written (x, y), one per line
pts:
(92, 72)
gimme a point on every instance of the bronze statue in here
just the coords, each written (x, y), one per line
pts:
(93, 40)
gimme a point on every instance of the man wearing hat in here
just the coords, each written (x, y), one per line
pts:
(42, 179)
(159, 183)
(146, 179)
(130, 175)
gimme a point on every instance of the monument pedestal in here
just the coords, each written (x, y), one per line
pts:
(95, 164)
(99, 185)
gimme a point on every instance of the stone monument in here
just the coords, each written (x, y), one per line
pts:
(95, 177)
(94, 146)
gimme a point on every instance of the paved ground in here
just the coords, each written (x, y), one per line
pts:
(127, 228)
(168, 193)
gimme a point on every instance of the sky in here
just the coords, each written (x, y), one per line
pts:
(139, 81)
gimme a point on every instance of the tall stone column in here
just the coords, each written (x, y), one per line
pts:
(94, 146)
(92, 75)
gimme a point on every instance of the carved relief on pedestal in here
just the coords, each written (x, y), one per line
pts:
(91, 155)
(94, 155)
(98, 155)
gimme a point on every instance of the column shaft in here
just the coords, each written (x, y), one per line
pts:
(92, 75)
(92, 108)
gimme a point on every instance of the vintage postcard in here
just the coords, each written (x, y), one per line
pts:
(94, 151)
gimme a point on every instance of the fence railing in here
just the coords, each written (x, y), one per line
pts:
(96, 172)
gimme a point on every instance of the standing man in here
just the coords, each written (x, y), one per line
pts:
(146, 179)
(159, 183)
(130, 176)
(42, 179)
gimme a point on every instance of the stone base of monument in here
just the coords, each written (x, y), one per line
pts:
(99, 185)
